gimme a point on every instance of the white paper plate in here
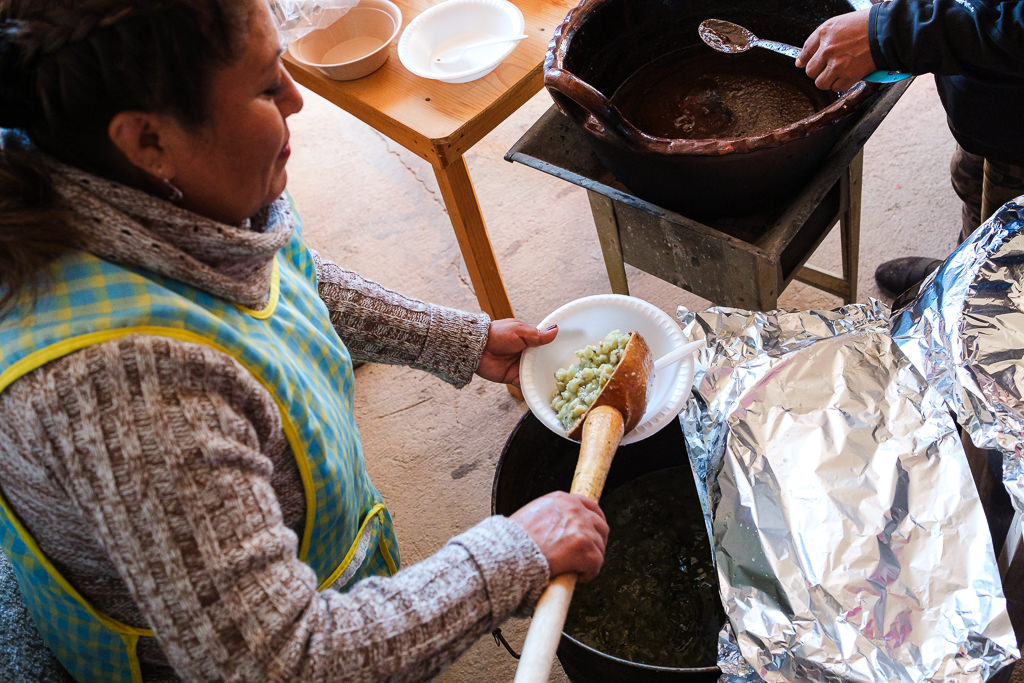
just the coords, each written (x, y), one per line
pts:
(587, 321)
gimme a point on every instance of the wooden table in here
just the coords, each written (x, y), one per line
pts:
(441, 121)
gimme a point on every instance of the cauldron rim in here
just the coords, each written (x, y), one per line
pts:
(522, 425)
(653, 668)
(616, 129)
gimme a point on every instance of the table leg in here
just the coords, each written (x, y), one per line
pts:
(849, 224)
(464, 211)
(471, 233)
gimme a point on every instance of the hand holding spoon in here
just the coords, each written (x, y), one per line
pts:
(728, 37)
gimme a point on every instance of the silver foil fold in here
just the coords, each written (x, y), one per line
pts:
(849, 540)
(965, 333)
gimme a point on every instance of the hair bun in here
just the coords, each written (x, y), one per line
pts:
(17, 100)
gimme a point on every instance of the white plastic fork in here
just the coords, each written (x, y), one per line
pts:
(675, 354)
(454, 54)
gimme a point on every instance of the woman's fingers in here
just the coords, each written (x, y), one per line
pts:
(837, 54)
(536, 337)
(809, 49)
(570, 530)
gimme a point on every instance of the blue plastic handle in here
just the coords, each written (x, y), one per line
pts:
(886, 76)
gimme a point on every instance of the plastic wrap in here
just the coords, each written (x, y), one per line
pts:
(850, 543)
(296, 18)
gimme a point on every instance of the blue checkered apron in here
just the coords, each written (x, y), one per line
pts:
(289, 346)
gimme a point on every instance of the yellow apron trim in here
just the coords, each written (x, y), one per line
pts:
(388, 560)
(376, 511)
(113, 624)
(131, 644)
(66, 346)
(275, 294)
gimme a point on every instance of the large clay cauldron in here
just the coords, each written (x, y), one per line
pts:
(536, 461)
(636, 77)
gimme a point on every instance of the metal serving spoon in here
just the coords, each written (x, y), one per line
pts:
(726, 36)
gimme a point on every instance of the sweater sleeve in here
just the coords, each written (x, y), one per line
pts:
(383, 326)
(161, 452)
(983, 40)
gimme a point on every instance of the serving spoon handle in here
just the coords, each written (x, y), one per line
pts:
(776, 46)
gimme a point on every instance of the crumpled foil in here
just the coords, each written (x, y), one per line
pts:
(849, 540)
(965, 333)
(296, 18)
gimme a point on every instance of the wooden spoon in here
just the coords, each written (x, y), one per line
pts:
(616, 410)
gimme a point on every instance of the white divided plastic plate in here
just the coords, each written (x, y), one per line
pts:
(453, 23)
(588, 321)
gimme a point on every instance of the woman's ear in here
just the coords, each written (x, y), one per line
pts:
(144, 139)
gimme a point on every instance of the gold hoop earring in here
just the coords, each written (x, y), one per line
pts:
(175, 192)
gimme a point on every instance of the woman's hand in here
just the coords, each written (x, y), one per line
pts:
(505, 344)
(838, 53)
(570, 530)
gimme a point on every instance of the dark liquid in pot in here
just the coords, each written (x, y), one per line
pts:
(656, 600)
(704, 94)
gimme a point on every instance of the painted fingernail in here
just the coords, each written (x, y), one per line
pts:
(552, 327)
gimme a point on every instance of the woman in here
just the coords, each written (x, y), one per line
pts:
(183, 487)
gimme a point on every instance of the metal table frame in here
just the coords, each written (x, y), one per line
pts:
(744, 262)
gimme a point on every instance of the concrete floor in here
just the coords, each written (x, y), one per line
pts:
(374, 207)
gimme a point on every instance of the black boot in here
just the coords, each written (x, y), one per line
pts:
(900, 274)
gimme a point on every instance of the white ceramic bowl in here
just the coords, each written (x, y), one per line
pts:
(587, 321)
(355, 45)
(454, 23)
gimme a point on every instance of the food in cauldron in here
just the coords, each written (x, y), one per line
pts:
(655, 601)
(716, 96)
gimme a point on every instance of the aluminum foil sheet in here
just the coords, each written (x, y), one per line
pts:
(965, 333)
(849, 540)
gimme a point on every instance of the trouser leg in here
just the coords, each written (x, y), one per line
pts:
(1003, 182)
(966, 172)
(983, 186)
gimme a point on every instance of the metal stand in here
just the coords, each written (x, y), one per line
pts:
(744, 261)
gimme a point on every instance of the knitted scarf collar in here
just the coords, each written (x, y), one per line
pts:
(131, 227)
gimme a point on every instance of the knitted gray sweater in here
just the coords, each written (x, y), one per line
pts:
(116, 458)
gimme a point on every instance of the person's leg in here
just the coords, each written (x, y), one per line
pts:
(900, 275)
(1002, 182)
(966, 172)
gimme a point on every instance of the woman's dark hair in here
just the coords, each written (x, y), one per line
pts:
(66, 68)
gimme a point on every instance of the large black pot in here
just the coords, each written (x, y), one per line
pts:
(536, 461)
(602, 43)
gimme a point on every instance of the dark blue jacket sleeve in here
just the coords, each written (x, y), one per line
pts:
(982, 39)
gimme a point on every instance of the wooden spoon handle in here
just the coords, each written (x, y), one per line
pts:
(602, 432)
(545, 630)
